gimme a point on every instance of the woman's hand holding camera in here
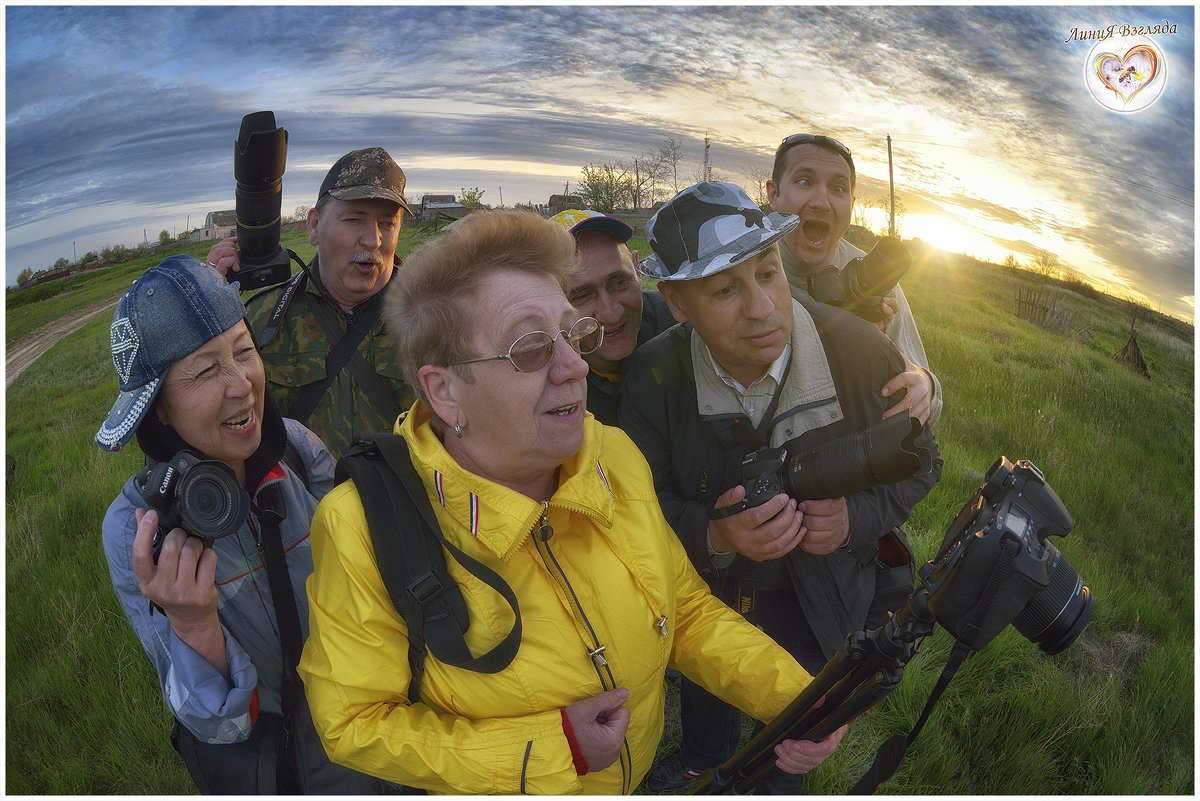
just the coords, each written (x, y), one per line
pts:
(182, 585)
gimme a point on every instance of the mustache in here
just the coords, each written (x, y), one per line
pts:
(372, 256)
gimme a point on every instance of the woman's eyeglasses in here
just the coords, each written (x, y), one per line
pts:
(533, 351)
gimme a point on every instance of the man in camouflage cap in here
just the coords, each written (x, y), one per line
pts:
(749, 367)
(327, 359)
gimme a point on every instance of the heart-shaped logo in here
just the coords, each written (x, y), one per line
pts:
(1129, 75)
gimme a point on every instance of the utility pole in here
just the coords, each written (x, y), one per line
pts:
(892, 189)
(74, 253)
(707, 158)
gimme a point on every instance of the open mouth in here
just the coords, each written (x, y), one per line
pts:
(816, 232)
(240, 423)
(564, 411)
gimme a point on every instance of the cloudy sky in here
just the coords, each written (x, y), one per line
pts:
(120, 121)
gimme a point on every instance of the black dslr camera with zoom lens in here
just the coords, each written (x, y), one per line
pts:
(201, 496)
(881, 454)
(864, 282)
(1006, 523)
(995, 567)
(259, 155)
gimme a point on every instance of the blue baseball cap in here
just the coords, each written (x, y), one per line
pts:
(576, 220)
(170, 311)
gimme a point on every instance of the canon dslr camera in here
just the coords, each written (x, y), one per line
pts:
(996, 566)
(864, 282)
(201, 496)
(884, 453)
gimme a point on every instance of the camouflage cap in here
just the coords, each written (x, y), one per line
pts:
(366, 173)
(707, 228)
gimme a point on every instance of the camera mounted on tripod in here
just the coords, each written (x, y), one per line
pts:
(995, 567)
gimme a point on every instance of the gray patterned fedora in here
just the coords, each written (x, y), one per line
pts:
(707, 228)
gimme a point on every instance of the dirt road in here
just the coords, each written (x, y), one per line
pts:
(27, 351)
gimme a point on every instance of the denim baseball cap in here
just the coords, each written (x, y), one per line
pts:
(576, 220)
(707, 228)
(362, 174)
(170, 311)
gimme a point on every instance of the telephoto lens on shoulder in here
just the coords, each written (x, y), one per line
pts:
(259, 156)
(862, 284)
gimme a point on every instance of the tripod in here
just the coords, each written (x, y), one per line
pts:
(866, 667)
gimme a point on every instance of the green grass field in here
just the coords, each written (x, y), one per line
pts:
(1111, 715)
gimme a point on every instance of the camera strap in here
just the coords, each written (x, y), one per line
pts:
(891, 753)
(270, 510)
(408, 542)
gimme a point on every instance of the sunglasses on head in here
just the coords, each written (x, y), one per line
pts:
(533, 351)
(801, 138)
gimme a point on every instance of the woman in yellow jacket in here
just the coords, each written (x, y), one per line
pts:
(522, 479)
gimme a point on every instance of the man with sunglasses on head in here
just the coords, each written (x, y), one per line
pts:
(813, 177)
(608, 287)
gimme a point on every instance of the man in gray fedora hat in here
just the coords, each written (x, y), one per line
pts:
(746, 367)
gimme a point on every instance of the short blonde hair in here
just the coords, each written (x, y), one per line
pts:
(430, 303)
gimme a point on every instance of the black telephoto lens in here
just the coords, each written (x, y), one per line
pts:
(878, 271)
(259, 159)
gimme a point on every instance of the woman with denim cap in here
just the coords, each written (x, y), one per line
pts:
(222, 635)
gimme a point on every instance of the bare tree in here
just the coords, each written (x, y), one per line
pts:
(757, 176)
(670, 155)
(1046, 263)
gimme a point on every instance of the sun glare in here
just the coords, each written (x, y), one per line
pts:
(944, 233)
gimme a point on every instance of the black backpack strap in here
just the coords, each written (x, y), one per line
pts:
(408, 546)
(293, 459)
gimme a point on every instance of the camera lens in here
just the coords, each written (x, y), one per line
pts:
(211, 502)
(1056, 616)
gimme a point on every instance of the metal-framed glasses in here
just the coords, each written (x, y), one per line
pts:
(533, 351)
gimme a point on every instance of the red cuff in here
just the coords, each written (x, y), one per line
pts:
(254, 708)
(581, 766)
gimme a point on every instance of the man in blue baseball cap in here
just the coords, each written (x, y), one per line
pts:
(609, 289)
(749, 367)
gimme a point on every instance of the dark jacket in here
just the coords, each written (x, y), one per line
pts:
(839, 363)
(604, 395)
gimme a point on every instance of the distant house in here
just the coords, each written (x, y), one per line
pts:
(434, 207)
(563, 202)
(217, 225)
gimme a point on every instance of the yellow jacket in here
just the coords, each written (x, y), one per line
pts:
(613, 573)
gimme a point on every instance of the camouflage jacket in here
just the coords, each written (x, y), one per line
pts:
(295, 358)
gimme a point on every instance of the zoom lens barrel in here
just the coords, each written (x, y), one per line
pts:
(882, 454)
(211, 501)
(1055, 617)
(259, 159)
